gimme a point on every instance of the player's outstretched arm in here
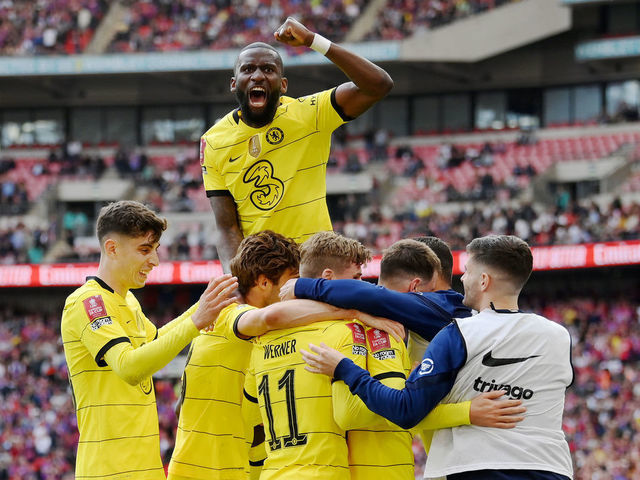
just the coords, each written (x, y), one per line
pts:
(484, 410)
(296, 313)
(427, 385)
(135, 364)
(369, 83)
(228, 233)
(411, 310)
(288, 315)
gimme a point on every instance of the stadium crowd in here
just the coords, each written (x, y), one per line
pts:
(38, 430)
(200, 25)
(67, 26)
(573, 223)
(402, 18)
(44, 27)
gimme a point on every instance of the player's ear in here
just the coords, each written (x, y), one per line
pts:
(110, 247)
(414, 285)
(485, 281)
(284, 84)
(263, 282)
(327, 274)
(232, 84)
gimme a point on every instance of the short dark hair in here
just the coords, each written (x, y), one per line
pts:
(507, 253)
(330, 250)
(129, 218)
(279, 61)
(443, 252)
(409, 257)
(266, 253)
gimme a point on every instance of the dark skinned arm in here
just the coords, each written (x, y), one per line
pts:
(228, 234)
(369, 83)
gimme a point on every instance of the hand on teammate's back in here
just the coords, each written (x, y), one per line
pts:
(325, 360)
(487, 411)
(293, 33)
(392, 328)
(219, 294)
(287, 292)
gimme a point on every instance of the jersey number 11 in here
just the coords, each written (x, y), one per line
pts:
(294, 438)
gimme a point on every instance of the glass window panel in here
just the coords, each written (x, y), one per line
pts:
(157, 125)
(121, 126)
(189, 123)
(556, 106)
(622, 96)
(425, 115)
(392, 114)
(456, 111)
(86, 125)
(587, 103)
(48, 126)
(490, 110)
(13, 128)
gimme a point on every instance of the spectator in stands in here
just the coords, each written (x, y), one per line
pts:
(601, 417)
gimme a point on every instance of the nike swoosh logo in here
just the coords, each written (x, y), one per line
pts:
(490, 361)
(233, 159)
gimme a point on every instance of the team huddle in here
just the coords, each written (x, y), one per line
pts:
(251, 404)
(297, 368)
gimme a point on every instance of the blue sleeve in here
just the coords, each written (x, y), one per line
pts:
(427, 385)
(410, 309)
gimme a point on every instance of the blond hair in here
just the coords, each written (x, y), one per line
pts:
(330, 250)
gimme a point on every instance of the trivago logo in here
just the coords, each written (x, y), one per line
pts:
(514, 392)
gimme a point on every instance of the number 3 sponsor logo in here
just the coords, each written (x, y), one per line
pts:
(268, 189)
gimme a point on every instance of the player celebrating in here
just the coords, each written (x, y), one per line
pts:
(420, 309)
(212, 436)
(500, 348)
(112, 349)
(303, 439)
(264, 163)
(377, 447)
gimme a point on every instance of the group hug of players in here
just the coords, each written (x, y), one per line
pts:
(250, 406)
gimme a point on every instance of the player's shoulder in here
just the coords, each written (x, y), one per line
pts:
(229, 314)
(91, 292)
(312, 100)
(222, 126)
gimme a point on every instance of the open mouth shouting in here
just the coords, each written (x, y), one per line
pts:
(257, 97)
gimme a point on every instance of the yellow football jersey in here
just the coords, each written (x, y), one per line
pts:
(302, 439)
(211, 437)
(277, 173)
(383, 450)
(118, 423)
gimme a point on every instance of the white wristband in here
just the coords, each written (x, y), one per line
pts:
(320, 44)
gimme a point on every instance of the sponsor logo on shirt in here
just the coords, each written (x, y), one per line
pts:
(94, 306)
(357, 332)
(385, 355)
(426, 366)
(268, 189)
(96, 324)
(358, 350)
(514, 392)
(490, 361)
(378, 340)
